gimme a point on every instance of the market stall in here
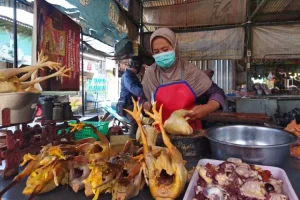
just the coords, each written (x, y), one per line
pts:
(291, 168)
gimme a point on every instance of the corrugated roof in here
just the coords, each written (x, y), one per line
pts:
(279, 11)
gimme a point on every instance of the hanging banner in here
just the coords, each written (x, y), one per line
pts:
(101, 19)
(196, 13)
(276, 42)
(212, 45)
(59, 37)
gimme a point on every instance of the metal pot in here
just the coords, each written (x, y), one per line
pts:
(17, 107)
(252, 144)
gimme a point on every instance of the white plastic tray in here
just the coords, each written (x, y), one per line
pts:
(276, 172)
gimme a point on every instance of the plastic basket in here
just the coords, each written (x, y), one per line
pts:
(87, 132)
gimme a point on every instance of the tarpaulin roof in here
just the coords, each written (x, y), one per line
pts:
(277, 11)
(193, 14)
(190, 13)
(103, 20)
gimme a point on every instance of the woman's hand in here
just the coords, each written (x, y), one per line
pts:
(201, 111)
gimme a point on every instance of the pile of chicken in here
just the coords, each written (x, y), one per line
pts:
(9, 82)
(94, 167)
(234, 180)
(294, 128)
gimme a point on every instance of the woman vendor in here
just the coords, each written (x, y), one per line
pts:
(177, 83)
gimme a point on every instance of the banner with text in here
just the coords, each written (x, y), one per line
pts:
(59, 37)
(97, 84)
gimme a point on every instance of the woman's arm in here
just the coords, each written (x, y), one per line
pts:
(216, 99)
(217, 94)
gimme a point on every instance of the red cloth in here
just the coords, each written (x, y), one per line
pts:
(175, 96)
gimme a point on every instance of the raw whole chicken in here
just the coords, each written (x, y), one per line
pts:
(9, 82)
(177, 124)
(164, 170)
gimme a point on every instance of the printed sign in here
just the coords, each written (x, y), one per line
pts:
(59, 37)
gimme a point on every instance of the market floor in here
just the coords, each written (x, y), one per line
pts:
(292, 168)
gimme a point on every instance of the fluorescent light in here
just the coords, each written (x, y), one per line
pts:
(92, 56)
(62, 3)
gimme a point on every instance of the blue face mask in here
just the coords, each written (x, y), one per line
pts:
(165, 60)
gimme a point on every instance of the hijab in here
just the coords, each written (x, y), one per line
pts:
(155, 75)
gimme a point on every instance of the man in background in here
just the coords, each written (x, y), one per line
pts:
(131, 87)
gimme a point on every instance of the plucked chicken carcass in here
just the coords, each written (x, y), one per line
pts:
(131, 180)
(93, 150)
(46, 171)
(177, 123)
(79, 171)
(89, 169)
(9, 82)
(99, 180)
(121, 176)
(165, 172)
(151, 135)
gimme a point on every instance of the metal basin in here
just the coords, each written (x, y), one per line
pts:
(252, 144)
(22, 106)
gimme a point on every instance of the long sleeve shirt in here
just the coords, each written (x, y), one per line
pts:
(213, 93)
(130, 87)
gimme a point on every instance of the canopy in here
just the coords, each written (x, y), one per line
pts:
(102, 20)
(276, 42)
(194, 13)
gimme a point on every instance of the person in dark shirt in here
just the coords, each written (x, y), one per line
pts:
(131, 87)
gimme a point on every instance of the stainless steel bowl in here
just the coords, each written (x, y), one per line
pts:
(22, 106)
(252, 144)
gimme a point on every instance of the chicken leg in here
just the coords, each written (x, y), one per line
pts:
(136, 113)
(156, 116)
(6, 74)
(62, 72)
(165, 172)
